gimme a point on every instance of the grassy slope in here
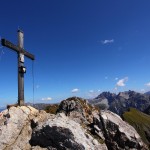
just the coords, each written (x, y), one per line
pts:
(52, 109)
(140, 121)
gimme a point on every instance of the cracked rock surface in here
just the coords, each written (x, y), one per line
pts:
(83, 128)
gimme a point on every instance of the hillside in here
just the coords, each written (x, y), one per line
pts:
(140, 121)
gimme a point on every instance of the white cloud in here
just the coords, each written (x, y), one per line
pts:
(75, 90)
(115, 89)
(147, 84)
(107, 41)
(122, 81)
(91, 91)
(46, 99)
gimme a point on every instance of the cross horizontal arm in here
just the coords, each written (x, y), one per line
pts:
(10, 45)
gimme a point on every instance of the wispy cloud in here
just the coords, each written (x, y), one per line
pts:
(115, 89)
(107, 41)
(121, 82)
(147, 84)
(91, 91)
(47, 99)
(75, 90)
(143, 90)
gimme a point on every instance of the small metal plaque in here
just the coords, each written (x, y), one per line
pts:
(22, 58)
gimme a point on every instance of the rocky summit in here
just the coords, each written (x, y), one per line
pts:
(76, 126)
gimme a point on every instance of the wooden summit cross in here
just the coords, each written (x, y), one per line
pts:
(21, 69)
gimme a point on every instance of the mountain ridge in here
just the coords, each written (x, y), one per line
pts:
(119, 103)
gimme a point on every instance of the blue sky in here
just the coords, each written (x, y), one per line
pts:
(82, 47)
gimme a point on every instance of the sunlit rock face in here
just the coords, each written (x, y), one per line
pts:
(60, 132)
(118, 134)
(76, 126)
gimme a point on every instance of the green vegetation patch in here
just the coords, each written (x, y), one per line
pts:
(52, 109)
(140, 121)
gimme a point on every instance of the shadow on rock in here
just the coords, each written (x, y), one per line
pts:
(54, 137)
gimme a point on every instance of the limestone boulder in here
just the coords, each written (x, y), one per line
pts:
(117, 133)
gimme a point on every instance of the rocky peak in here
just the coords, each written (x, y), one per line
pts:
(72, 104)
(77, 125)
(131, 93)
(106, 95)
(125, 95)
(128, 94)
(28, 128)
(77, 109)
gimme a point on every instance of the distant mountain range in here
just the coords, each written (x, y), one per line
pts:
(39, 106)
(121, 102)
(147, 93)
(1, 109)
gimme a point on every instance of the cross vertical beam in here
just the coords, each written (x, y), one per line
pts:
(20, 74)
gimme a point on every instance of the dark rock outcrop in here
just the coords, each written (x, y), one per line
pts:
(147, 110)
(54, 137)
(71, 104)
